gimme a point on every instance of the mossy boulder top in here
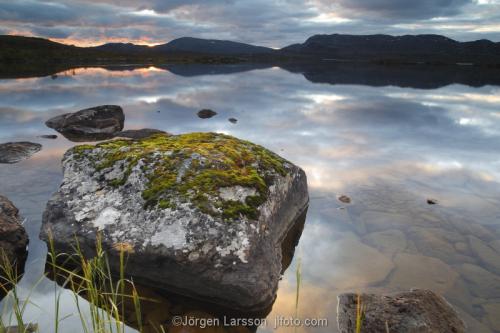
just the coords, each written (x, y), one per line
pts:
(203, 214)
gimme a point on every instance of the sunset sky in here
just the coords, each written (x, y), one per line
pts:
(274, 23)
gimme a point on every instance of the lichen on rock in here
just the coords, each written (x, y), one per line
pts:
(200, 168)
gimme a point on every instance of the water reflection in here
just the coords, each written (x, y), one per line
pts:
(388, 148)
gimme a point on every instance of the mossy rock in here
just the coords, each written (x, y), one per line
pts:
(201, 212)
(199, 168)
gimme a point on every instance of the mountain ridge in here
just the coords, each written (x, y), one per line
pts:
(377, 48)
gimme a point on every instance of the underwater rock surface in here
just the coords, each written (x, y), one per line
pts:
(201, 214)
(417, 310)
(92, 124)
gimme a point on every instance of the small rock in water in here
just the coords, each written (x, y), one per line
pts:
(206, 113)
(432, 201)
(48, 136)
(93, 124)
(233, 120)
(418, 310)
(13, 152)
(344, 199)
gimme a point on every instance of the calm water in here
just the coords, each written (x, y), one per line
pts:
(388, 148)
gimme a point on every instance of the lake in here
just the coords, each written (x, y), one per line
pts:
(389, 139)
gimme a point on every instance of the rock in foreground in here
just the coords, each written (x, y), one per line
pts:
(416, 311)
(93, 124)
(13, 152)
(201, 214)
(13, 239)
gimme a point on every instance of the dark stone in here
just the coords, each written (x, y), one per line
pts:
(206, 113)
(233, 120)
(432, 201)
(139, 134)
(344, 199)
(93, 124)
(13, 240)
(13, 152)
(416, 311)
(48, 136)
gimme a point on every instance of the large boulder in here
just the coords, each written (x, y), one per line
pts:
(93, 124)
(13, 152)
(13, 241)
(201, 214)
(416, 311)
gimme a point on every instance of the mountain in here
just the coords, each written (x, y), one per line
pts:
(123, 48)
(429, 49)
(211, 46)
(385, 48)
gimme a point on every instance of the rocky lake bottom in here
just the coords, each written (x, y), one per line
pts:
(403, 182)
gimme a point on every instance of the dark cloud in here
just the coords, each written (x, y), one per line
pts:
(402, 9)
(274, 23)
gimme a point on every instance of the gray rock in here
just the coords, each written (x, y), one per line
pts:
(416, 311)
(13, 239)
(139, 134)
(176, 203)
(206, 113)
(13, 152)
(93, 124)
(233, 120)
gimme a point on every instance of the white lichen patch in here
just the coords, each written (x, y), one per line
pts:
(108, 216)
(236, 193)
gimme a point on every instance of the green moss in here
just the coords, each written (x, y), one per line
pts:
(193, 167)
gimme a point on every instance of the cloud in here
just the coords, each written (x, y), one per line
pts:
(274, 23)
(401, 9)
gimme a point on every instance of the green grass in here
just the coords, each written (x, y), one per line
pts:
(108, 298)
(360, 314)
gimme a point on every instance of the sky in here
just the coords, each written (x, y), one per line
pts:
(272, 23)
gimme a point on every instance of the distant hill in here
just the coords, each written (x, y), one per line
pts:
(398, 49)
(430, 49)
(211, 46)
(123, 48)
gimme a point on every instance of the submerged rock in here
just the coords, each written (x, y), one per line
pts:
(206, 113)
(48, 136)
(13, 152)
(13, 240)
(344, 199)
(30, 328)
(233, 120)
(202, 214)
(93, 124)
(420, 311)
(432, 202)
(139, 134)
